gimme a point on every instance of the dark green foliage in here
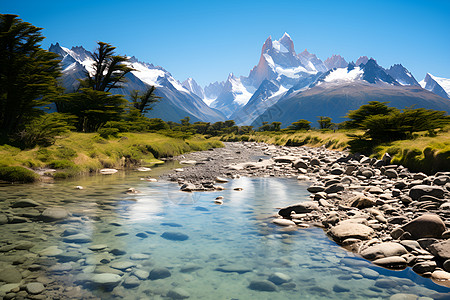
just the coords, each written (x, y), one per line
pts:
(108, 132)
(61, 164)
(402, 125)
(142, 102)
(43, 130)
(274, 126)
(300, 125)
(17, 174)
(28, 74)
(325, 122)
(373, 108)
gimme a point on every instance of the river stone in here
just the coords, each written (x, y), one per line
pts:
(403, 296)
(391, 174)
(383, 250)
(139, 256)
(54, 214)
(339, 288)
(233, 268)
(131, 282)
(300, 164)
(188, 187)
(420, 190)
(159, 273)
(178, 293)
(374, 190)
(3, 219)
(441, 275)
(334, 188)
(97, 247)
(315, 189)
(361, 201)
(174, 236)
(425, 226)
(396, 262)
(106, 279)
(279, 278)
(122, 265)
(24, 245)
(262, 285)
(51, 251)
(344, 231)
(60, 268)
(141, 274)
(10, 275)
(299, 208)
(424, 267)
(221, 179)
(283, 222)
(79, 238)
(285, 159)
(190, 267)
(369, 273)
(35, 288)
(25, 203)
(441, 249)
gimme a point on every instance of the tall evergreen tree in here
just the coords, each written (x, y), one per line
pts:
(93, 103)
(28, 73)
(142, 102)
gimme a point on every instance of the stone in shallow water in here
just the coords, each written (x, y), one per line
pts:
(142, 235)
(97, 247)
(174, 236)
(51, 251)
(233, 268)
(54, 214)
(25, 203)
(106, 279)
(139, 256)
(10, 275)
(35, 287)
(159, 273)
(279, 278)
(395, 262)
(262, 285)
(60, 268)
(344, 231)
(339, 288)
(383, 250)
(402, 296)
(171, 224)
(79, 238)
(141, 274)
(178, 293)
(131, 282)
(283, 222)
(117, 252)
(190, 267)
(369, 273)
(123, 265)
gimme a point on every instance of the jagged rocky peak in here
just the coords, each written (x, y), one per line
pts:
(362, 60)
(402, 75)
(335, 61)
(191, 85)
(287, 42)
(373, 73)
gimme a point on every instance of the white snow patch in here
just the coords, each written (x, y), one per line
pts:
(241, 94)
(279, 47)
(269, 60)
(177, 85)
(443, 82)
(147, 75)
(281, 91)
(422, 83)
(208, 101)
(342, 74)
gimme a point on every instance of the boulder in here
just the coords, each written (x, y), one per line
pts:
(395, 262)
(35, 288)
(299, 208)
(315, 189)
(334, 188)
(106, 279)
(54, 214)
(344, 231)
(174, 236)
(420, 190)
(279, 278)
(178, 293)
(300, 164)
(391, 174)
(361, 201)
(424, 267)
(188, 187)
(425, 226)
(386, 249)
(10, 275)
(441, 249)
(262, 285)
(159, 273)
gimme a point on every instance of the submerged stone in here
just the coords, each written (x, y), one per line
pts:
(159, 273)
(262, 285)
(174, 236)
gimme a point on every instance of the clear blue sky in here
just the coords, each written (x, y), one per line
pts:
(207, 40)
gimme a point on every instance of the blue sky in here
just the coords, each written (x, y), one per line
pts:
(207, 40)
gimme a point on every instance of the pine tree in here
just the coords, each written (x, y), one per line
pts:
(28, 73)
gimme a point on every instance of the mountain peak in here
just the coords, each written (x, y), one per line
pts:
(335, 61)
(287, 42)
(361, 60)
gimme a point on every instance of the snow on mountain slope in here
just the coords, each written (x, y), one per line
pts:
(437, 85)
(191, 85)
(402, 75)
(176, 103)
(335, 61)
(344, 75)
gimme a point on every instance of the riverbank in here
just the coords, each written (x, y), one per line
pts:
(82, 153)
(381, 211)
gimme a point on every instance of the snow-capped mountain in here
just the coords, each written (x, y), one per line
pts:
(191, 85)
(439, 86)
(235, 94)
(177, 102)
(339, 90)
(335, 61)
(402, 75)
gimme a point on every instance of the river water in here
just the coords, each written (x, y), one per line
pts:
(190, 246)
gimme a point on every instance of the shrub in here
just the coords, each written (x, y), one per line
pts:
(61, 164)
(107, 132)
(17, 174)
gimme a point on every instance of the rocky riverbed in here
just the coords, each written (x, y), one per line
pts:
(383, 212)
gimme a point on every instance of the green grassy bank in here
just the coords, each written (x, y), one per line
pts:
(79, 153)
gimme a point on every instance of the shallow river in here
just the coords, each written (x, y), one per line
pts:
(192, 247)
